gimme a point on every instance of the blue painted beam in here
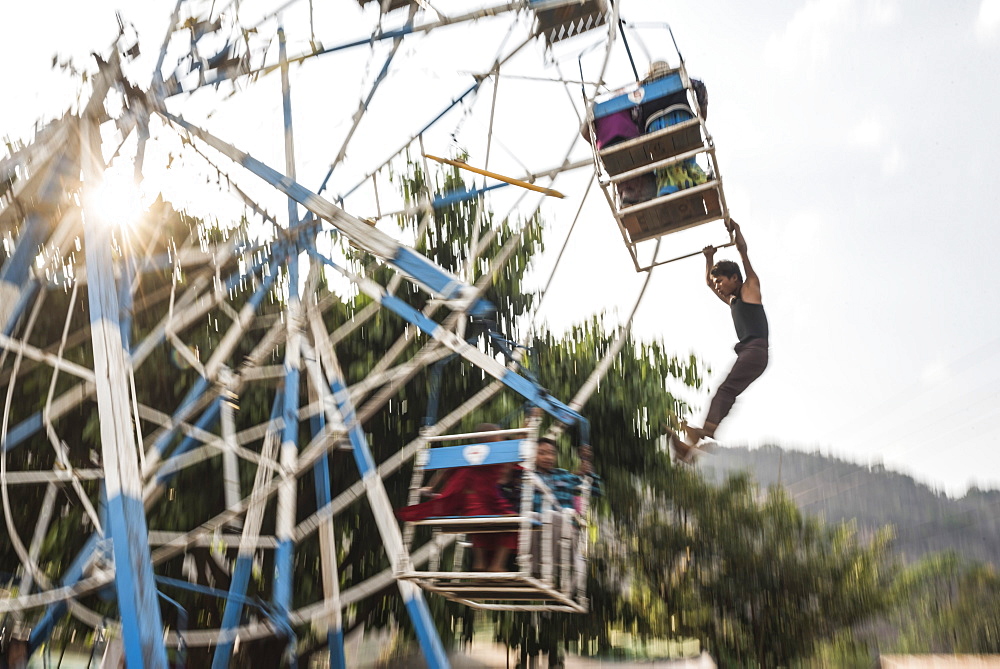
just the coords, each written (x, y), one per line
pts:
(284, 575)
(26, 297)
(654, 90)
(392, 539)
(472, 455)
(535, 394)
(215, 592)
(236, 597)
(15, 275)
(142, 627)
(324, 496)
(420, 269)
(16, 272)
(455, 196)
(43, 629)
(205, 422)
(471, 89)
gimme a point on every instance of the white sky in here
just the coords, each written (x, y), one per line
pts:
(858, 143)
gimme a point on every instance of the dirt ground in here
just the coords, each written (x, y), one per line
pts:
(492, 656)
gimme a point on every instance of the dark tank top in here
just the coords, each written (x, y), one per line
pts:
(749, 319)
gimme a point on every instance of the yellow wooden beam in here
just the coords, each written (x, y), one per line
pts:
(499, 177)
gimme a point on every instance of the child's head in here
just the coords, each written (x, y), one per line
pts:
(726, 277)
(545, 456)
(657, 69)
(489, 427)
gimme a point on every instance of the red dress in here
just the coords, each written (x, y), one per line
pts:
(469, 491)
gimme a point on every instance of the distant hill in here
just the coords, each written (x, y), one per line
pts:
(925, 520)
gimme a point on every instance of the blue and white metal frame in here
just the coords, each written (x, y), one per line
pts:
(283, 559)
(16, 285)
(527, 389)
(244, 559)
(433, 278)
(392, 538)
(334, 621)
(142, 629)
(463, 299)
(408, 29)
(186, 409)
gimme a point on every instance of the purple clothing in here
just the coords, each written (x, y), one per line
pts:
(617, 127)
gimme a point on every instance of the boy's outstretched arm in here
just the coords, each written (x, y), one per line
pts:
(709, 252)
(751, 284)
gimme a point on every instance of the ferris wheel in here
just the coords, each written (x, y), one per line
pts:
(151, 339)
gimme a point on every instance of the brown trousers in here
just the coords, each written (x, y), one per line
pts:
(751, 361)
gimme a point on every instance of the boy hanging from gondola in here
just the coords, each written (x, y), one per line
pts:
(744, 299)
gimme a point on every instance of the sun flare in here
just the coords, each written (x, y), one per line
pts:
(117, 200)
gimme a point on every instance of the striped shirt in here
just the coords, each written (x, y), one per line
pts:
(565, 486)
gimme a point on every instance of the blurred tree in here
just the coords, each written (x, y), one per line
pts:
(759, 583)
(673, 556)
(624, 412)
(948, 605)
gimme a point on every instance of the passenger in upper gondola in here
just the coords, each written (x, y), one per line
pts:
(659, 69)
(614, 129)
(660, 113)
(652, 114)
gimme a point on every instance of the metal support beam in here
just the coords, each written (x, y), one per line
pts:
(248, 542)
(41, 528)
(142, 628)
(230, 461)
(15, 277)
(508, 377)
(287, 493)
(334, 620)
(434, 279)
(392, 539)
(221, 353)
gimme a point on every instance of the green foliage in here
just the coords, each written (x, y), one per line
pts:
(944, 602)
(948, 605)
(847, 650)
(925, 521)
(749, 576)
(755, 580)
(759, 583)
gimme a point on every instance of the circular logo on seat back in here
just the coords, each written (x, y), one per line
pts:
(475, 454)
(636, 96)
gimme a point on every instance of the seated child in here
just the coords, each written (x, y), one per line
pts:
(472, 491)
(671, 110)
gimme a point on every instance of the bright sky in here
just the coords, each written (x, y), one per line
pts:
(857, 140)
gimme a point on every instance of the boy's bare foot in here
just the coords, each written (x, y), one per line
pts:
(684, 452)
(708, 445)
(696, 434)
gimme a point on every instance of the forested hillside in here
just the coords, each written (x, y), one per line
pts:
(925, 520)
